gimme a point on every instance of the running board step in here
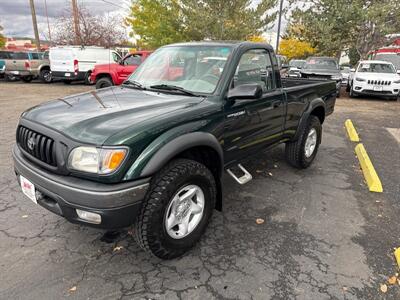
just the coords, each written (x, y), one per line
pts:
(243, 179)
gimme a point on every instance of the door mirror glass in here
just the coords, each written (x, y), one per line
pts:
(245, 92)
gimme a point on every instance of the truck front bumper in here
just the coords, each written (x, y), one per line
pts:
(117, 204)
(68, 76)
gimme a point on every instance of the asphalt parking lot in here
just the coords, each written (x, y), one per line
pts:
(325, 236)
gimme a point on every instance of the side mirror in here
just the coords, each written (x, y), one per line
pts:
(352, 70)
(398, 72)
(245, 92)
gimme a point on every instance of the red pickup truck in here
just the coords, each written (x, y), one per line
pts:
(115, 73)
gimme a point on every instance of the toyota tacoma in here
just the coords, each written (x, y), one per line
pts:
(151, 152)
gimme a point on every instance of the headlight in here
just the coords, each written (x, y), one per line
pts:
(96, 160)
(360, 79)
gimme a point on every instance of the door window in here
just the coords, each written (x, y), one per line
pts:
(255, 67)
(134, 59)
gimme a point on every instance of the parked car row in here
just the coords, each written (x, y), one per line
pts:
(25, 65)
(93, 65)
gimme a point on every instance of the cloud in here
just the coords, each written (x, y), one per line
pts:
(16, 19)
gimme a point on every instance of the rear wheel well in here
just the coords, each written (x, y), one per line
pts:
(319, 112)
(44, 68)
(211, 159)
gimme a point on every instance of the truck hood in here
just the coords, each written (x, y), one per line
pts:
(94, 116)
(107, 67)
(324, 72)
(378, 76)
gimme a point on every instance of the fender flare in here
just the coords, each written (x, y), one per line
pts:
(306, 114)
(178, 145)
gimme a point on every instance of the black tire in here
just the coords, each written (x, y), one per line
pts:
(26, 79)
(352, 94)
(295, 151)
(347, 88)
(45, 75)
(150, 232)
(87, 78)
(104, 82)
(67, 81)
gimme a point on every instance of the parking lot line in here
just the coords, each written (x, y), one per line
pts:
(370, 175)
(351, 131)
(395, 132)
(397, 255)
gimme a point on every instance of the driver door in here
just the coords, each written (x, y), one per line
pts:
(129, 65)
(252, 125)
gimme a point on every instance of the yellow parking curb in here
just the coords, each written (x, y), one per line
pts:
(397, 255)
(373, 181)
(351, 131)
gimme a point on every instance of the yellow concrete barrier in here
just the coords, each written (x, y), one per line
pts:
(370, 175)
(397, 255)
(351, 131)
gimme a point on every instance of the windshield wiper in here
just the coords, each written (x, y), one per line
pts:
(134, 84)
(169, 87)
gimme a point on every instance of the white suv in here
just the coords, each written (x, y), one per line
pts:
(376, 78)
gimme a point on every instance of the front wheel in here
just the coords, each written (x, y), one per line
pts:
(103, 83)
(352, 94)
(301, 153)
(177, 209)
(26, 79)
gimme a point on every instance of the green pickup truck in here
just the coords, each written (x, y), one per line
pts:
(151, 152)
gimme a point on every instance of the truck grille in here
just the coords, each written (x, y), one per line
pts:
(37, 145)
(379, 82)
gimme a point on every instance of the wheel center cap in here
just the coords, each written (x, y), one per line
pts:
(182, 209)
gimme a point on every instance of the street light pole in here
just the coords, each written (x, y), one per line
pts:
(35, 28)
(279, 26)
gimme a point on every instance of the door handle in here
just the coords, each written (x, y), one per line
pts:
(276, 104)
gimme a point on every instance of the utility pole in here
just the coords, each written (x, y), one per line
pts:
(47, 16)
(35, 28)
(76, 21)
(279, 27)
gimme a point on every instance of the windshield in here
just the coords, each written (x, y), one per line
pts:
(321, 63)
(376, 68)
(390, 57)
(297, 63)
(194, 68)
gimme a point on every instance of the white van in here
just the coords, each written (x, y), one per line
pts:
(70, 63)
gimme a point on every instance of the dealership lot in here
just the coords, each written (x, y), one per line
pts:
(324, 235)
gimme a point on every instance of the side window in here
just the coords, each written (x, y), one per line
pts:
(115, 57)
(35, 55)
(46, 55)
(255, 66)
(134, 59)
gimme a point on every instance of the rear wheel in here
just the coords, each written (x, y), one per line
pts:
(177, 209)
(26, 78)
(45, 76)
(88, 81)
(104, 82)
(301, 153)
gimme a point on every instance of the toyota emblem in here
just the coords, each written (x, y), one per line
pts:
(31, 143)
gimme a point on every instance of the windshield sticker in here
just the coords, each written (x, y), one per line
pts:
(366, 66)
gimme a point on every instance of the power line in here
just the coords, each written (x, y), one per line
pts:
(117, 5)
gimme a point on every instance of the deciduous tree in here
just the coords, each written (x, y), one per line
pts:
(2, 38)
(105, 31)
(191, 20)
(293, 48)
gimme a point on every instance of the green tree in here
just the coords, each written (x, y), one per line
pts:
(158, 22)
(2, 38)
(354, 56)
(332, 26)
